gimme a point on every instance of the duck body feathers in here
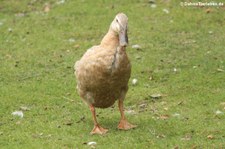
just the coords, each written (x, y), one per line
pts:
(102, 75)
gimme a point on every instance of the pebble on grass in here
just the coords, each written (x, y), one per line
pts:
(136, 46)
(92, 143)
(60, 2)
(166, 11)
(156, 96)
(71, 40)
(153, 5)
(218, 112)
(134, 81)
(18, 113)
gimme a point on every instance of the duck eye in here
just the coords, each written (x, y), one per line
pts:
(117, 20)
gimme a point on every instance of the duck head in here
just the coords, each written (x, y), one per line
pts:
(120, 26)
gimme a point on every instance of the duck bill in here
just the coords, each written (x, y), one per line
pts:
(123, 38)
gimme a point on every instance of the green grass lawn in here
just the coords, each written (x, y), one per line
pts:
(182, 58)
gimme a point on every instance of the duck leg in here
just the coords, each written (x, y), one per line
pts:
(97, 128)
(124, 124)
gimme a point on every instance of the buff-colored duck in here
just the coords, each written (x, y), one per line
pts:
(103, 72)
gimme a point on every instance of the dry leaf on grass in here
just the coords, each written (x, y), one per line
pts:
(218, 112)
(180, 103)
(220, 70)
(82, 119)
(166, 11)
(160, 136)
(153, 5)
(208, 10)
(164, 117)
(156, 96)
(166, 108)
(71, 40)
(142, 107)
(77, 46)
(24, 108)
(129, 111)
(186, 137)
(47, 8)
(18, 122)
(68, 123)
(176, 114)
(60, 2)
(210, 137)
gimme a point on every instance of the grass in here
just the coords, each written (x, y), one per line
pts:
(182, 51)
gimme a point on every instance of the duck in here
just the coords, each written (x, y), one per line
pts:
(103, 72)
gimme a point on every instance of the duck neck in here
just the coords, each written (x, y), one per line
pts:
(110, 40)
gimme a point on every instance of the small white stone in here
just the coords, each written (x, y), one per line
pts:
(219, 112)
(208, 52)
(18, 113)
(136, 46)
(166, 11)
(132, 112)
(91, 143)
(10, 29)
(60, 2)
(156, 96)
(176, 114)
(24, 108)
(220, 70)
(153, 6)
(134, 81)
(210, 32)
(71, 40)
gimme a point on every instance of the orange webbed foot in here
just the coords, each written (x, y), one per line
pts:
(125, 125)
(99, 130)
